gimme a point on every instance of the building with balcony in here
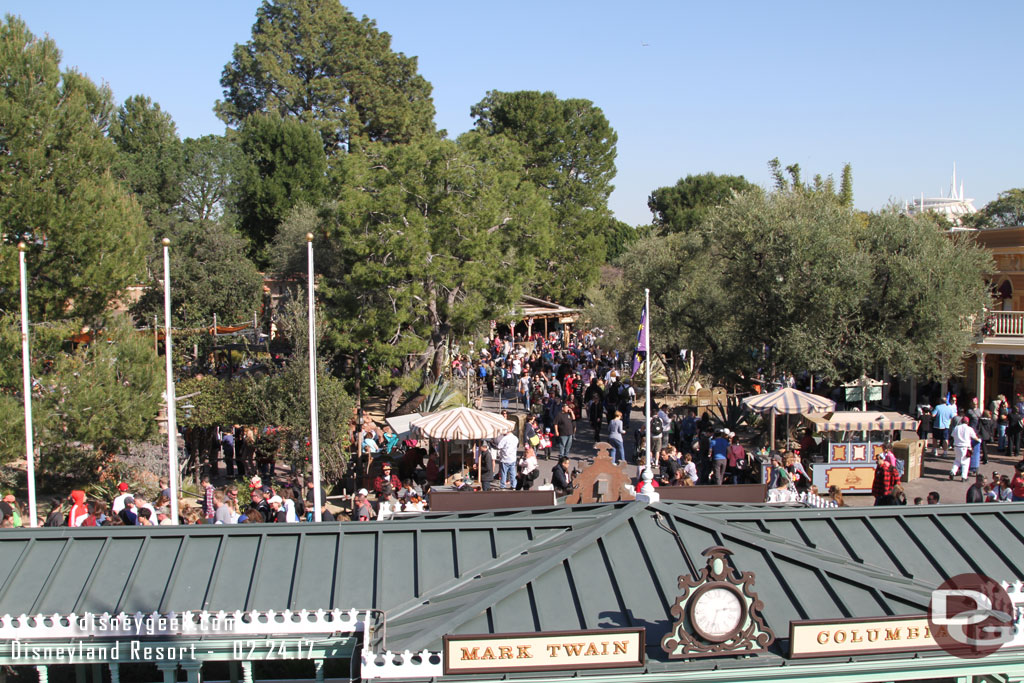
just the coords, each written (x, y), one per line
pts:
(999, 349)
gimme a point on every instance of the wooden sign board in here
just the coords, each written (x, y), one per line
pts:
(549, 651)
(845, 637)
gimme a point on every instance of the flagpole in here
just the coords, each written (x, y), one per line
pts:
(26, 375)
(314, 418)
(172, 422)
(647, 389)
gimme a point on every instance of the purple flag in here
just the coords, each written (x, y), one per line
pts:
(641, 343)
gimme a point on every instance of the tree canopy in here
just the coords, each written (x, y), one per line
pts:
(57, 194)
(283, 165)
(793, 280)
(1005, 211)
(685, 205)
(428, 241)
(151, 159)
(568, 151)
(314, 61)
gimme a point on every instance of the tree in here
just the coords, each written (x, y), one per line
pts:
(1005, 211)
(210, 166)
(568, 149)
(824, 186)
(427, 243)
(88, 404)
(314, 61)
(57, 194)
(683, 206)
(210, 275)
(151, 157)
(794, 281)
(283, 165)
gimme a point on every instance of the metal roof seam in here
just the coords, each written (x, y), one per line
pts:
(132, 573)
(51, 573)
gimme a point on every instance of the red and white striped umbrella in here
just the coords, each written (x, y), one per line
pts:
(462, 423)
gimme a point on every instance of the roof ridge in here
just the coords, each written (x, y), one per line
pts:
(784, 549)
(588, 535)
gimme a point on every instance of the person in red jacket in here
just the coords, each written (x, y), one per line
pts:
(79, 511)
(886, 479)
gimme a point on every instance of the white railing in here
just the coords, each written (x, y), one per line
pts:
(1004, 324)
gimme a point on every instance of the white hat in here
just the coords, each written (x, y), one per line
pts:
(362, 492)
(275, 499)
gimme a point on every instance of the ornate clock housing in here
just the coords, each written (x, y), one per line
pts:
(718, 613)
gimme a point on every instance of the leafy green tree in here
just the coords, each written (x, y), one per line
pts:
(1005, 211)
(151, 156)
(314, 61)
(568, 149)
(86, 235)
(210, 274)
(824, 186)
(284, 165)
(211, 163)
(88, 404)
(617, 238)
(428, 242)
(683, 206)
(792, 281)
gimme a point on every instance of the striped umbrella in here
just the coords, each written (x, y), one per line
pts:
(462, 423)
(788, 401)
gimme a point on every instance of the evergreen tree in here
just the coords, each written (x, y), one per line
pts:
(314, 61)
(57, 194)
(568, 149)
(151, 157)
(283, 165)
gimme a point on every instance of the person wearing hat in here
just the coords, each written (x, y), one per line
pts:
(260, 503)
(386, 478)
(128, 513)
(9, 510)
(362, 511)
(277, 513)
(118, 503)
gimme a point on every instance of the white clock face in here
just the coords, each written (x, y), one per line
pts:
(717, 612)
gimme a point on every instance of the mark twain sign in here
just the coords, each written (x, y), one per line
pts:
(559, 651)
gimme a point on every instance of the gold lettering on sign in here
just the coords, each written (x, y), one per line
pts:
(557, 651)
(823, 639)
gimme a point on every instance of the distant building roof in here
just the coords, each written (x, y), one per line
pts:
(953, 206)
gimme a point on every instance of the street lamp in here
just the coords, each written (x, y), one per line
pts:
(26, 375)
(172, 423)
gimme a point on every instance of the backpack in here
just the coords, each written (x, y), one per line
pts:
(656, 426)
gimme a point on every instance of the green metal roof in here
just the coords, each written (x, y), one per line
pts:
(541, 569)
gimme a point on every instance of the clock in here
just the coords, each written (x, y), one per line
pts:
(717, 611)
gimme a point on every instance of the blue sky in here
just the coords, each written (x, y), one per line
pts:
(901, 90)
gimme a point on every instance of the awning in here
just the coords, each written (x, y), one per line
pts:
(462, 423)
(856, 421)
(400, 424)
(789, 401)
